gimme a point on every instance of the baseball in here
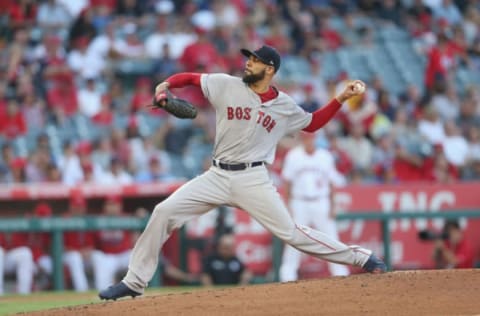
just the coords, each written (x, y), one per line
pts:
(359, 87)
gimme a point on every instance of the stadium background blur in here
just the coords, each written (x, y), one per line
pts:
(76, 76)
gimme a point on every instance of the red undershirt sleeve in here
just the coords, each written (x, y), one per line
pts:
(321, 116)
(183, 79)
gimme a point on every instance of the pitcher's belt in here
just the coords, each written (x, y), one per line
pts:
(236, 166)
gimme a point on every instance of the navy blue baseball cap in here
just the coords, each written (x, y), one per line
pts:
(266, 54)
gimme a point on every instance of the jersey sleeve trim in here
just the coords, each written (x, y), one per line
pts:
(323, 115)
(183, 79)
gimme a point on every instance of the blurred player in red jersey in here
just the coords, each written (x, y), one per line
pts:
(113, 247)
(78, 246)
(39, 243)
(16, 257)
(26, 253)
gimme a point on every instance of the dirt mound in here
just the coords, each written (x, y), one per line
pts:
(434, 292)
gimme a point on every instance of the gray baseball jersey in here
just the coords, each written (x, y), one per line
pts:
(241, 117)
(247, 131)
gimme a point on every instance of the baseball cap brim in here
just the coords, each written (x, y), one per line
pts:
(247, 53)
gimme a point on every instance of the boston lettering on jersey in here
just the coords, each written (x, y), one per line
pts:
(241, 113)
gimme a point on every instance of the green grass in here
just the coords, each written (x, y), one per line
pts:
(12, 304)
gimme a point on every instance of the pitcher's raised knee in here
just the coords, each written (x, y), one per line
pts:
(167, 215)
(162, 211)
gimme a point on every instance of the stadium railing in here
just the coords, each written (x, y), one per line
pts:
(57, 225)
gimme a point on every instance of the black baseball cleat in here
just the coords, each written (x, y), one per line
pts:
(375, 265)
(116, 291)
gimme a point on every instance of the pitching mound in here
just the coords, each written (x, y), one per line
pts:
(434, 292)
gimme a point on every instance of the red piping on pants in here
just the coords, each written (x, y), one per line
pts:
(331, 248)
(357, 250)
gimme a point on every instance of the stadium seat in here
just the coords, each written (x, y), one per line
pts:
(20, 146)
(330, 65)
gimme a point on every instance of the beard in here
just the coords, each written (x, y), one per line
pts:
(253, 78)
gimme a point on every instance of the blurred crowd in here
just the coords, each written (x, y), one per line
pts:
(76, 78)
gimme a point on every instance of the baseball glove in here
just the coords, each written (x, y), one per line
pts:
(177, 107)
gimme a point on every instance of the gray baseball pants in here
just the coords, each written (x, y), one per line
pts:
(251, 190)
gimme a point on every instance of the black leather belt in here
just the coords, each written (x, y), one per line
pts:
(237, 166)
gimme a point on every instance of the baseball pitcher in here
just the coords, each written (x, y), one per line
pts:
(251, 117)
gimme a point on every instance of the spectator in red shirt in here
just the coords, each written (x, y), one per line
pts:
(342, 161)
(333, 40)
(440, 60)
(12, 122)
(109, 4)
(455, 251)
(436, 167)
(200, 56)
(78, 245)
(105, 116)
(201, 52)
(55, 68)
(142, 96)
(21, 13)
(63, 95)
(113, 247)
